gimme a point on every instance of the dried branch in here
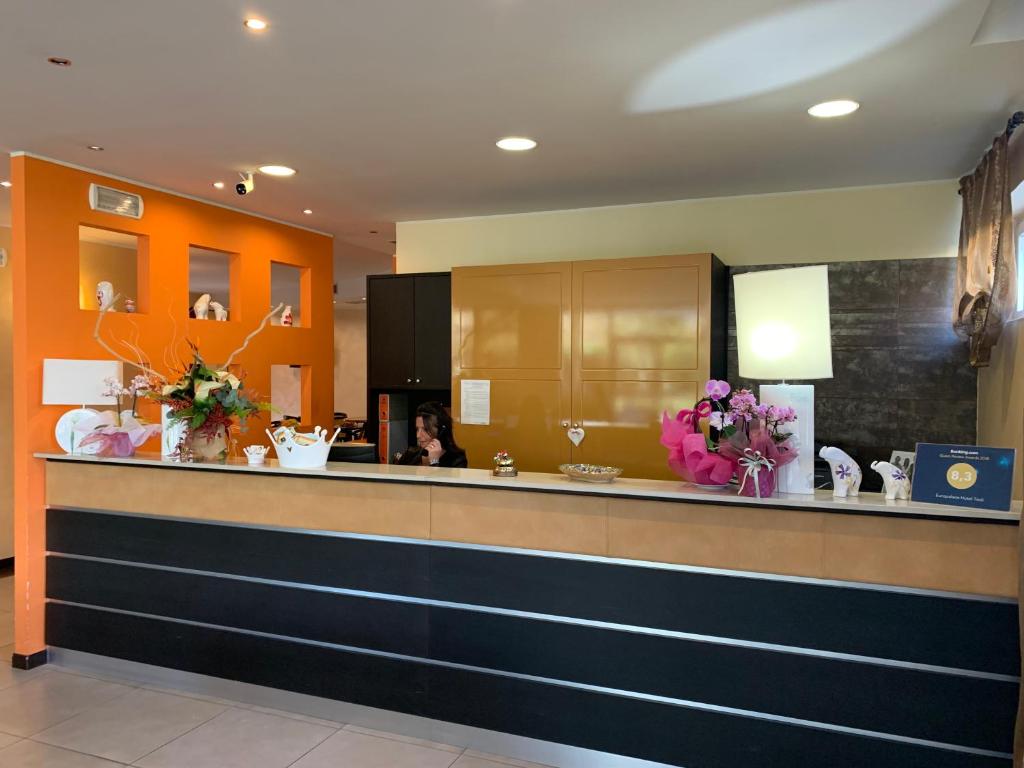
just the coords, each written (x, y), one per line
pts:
(249, 338)
(99, 340)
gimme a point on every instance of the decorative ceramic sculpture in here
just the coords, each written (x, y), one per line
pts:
(298, 450)
(105, 295)
(129, 305)
(286, 316)
(256, 454)
(219, 313)
(896, 481)
(202, 306)
(846, 474)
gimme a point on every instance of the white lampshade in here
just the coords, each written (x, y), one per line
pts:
(782, 324)
(78, 382)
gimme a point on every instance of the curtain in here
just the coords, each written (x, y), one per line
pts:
(986, 279)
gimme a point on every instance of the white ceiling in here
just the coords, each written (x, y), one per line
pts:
(389, 109)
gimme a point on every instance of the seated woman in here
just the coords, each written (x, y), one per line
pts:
(435, 441)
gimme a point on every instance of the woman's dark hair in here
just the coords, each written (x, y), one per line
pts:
(438, 423)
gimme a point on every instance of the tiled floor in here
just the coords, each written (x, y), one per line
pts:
(54, 718)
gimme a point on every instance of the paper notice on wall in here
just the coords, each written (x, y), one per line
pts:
(476, 401)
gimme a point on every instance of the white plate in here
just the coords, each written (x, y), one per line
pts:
(67, 439)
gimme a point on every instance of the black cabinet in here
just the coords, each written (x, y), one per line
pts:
(409, 336)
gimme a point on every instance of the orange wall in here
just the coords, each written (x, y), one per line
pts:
(49, 201)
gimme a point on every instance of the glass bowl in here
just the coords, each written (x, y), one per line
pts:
(591, 473)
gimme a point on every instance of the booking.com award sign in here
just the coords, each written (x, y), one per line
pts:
(963, 475)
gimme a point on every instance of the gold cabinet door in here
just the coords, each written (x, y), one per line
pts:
(511, 326)
(640, 346)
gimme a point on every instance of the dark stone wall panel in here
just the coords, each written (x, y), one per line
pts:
(901, 376)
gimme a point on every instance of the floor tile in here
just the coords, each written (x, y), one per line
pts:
(193, 695)
(9, 675)
(6, 740)
(29, 707)
(29, 754)
(359, 750)
(130, 726)
(474, 759)
(405, 739)
(240, 738)
(295, 716)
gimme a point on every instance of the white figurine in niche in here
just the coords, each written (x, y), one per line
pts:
(286, 316)
(846, 475)
(105, 296)
(202, 306)
(895, 480)
(219, 313)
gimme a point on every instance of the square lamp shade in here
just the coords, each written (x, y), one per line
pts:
(78, 383)
(783, 332)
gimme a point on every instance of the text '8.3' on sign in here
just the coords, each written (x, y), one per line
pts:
(964, 476)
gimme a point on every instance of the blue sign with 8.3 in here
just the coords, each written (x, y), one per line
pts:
(964, 476)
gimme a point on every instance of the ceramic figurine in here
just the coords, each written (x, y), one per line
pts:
(256, 454)
(105, 295)
(897, 484)
(286, 316)
(846, 475)
(202, 306)
(219, 313)
(129, 306)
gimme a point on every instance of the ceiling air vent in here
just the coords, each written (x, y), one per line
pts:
(115, 201)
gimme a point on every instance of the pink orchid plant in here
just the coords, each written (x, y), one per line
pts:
(117, 433)
(741, 436)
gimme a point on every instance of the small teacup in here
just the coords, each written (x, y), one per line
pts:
(256, 454)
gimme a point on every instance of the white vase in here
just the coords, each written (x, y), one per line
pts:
(171, 434)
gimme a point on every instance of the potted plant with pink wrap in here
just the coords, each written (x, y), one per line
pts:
(719, 438)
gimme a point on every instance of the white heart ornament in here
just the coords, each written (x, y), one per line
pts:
(576, 435)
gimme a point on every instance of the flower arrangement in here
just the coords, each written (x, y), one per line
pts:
(742, 437)
(204, 398)
(206, 401)
(117, 433)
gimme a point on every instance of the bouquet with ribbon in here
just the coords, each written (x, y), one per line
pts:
(720, 438)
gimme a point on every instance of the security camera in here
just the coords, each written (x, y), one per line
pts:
(245, 186)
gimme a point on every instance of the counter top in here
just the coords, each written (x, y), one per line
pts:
(660, 490)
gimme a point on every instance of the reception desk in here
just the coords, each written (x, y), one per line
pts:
(639, 618)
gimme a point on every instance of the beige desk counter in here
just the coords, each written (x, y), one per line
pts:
(866, 539)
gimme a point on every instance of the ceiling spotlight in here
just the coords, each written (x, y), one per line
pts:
(833, 108)
(516, 143)
(59, 61)
(95, 147)
(277, 170)
(5, 184)
(218, 185)
(255, 25)
(307, 211)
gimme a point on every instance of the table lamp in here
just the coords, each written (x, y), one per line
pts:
(783, 332)
(80, 383)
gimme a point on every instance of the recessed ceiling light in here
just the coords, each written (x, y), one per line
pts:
(277, 170)
(307, 211)
(516, 143)
(95, 147)
(834, 108)
(255, 25)
(218, 185)
(6, 184)
(59, 61)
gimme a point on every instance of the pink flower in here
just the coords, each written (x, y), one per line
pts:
(717, 389)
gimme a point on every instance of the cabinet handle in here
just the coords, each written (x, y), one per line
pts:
(408, 381)
(575, 426)
(565, 425)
